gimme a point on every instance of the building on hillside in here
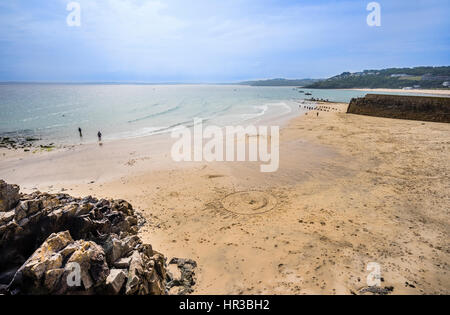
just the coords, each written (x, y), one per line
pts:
(400, 75)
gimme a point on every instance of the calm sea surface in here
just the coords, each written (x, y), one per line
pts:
(55, 111)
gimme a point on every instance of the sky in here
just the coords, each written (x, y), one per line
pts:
(216, 41)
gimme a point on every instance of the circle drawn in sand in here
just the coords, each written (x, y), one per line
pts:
(249, 202)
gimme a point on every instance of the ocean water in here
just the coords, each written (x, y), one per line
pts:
(54, 112)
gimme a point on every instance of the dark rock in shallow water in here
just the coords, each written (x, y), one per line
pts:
(57, 244)
(18, 140)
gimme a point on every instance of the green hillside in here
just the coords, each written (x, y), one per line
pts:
(394, 78)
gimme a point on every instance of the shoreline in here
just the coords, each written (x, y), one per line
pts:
(350, 190)
(16, 140)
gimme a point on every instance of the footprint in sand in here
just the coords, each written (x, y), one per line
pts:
(211, 176)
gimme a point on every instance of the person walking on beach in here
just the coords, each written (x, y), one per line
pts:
(99, 135)
(81, 134)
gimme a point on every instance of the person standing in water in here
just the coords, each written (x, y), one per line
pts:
(99, 135)
(81, 134)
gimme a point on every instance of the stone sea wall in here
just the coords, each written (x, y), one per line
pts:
(424, 108)
(57, 244)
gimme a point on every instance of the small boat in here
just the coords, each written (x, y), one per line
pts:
(308, 94)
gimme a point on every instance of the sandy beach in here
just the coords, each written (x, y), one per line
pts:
(414, 91)
(350, 190)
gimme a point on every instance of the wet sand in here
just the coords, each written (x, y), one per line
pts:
(350, 190)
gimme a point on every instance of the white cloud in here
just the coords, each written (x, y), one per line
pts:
(207, 38)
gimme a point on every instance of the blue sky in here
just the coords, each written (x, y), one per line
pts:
(216, 41)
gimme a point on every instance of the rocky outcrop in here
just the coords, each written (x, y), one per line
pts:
(181, 276)
(436, 109)
(23, 140)
(49, 269)
(9, 196)
(57, 244)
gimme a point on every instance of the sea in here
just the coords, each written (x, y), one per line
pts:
(54, 112)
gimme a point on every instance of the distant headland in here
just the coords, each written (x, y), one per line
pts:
(392, 78)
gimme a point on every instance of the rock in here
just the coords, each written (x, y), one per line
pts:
(175, 273)
(45, 258)
(115, 248)
(160, 264)
(186, 280)
(52, 278)
(83, 209)
(132, 220)
(123, 263)
(134, 230)
(9, 196)
(146, 249)
(69, 250)
(123, 206)
(33, 206)
(134, 273)
(155, 286)
(22, 223)
(27, 208)
(115, 280)
(58, 244)
(50, 202)
(132, 242)
(43, 271)
(121, 227)
(69, 210)
(21, 212)
(377, 290)
(176, 291)
(92, 260)
(5, 217)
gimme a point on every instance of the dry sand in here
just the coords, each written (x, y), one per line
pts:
(416, 91)
(350, 190)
